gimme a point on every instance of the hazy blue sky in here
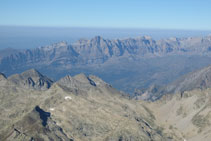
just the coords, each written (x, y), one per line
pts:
(165, 14)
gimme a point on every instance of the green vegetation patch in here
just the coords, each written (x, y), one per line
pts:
(200, 121)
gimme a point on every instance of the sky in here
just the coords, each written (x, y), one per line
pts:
(156, 14)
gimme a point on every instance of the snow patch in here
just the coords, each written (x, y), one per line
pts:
(52, 109)
(67, 98)
(97, 83)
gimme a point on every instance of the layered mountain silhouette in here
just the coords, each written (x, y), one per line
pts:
(98, 50)
(122, 62)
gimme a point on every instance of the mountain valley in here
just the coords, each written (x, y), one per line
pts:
(163, 90)
(127, 64)
(106, 70)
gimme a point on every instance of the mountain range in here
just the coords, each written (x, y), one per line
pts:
(99, 50)
(128, 64)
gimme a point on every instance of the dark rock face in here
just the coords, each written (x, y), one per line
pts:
(3, 79)
(43, 115)
(35, 126)
(2, 76)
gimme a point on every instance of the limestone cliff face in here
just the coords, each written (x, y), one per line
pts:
(121, 62)
(99, 50)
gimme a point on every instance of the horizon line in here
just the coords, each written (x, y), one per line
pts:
(98, 27)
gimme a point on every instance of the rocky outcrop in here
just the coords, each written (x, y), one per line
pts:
(31, 79)
(2, 77)
(36, 125)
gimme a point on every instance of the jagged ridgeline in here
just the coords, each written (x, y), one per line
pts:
(73, 108)
(85, 107)
(122, 62)
(198, 79)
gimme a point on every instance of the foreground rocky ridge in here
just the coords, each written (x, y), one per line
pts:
(74, 108)
(87, 108)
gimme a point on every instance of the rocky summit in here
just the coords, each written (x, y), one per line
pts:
(31, 79)
(2, 77)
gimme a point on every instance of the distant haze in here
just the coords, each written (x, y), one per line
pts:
(20, 37)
